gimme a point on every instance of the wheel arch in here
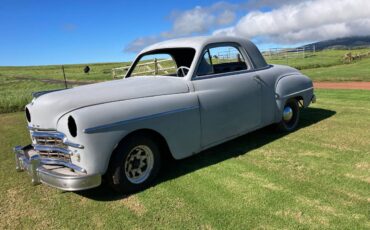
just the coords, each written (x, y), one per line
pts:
(154, 135)
(297, 86)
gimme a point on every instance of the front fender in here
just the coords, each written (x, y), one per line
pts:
(101, 127)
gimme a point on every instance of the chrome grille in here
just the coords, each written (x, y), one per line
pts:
(49, 141)
(53, 152)
(55, 155)
(52, 145)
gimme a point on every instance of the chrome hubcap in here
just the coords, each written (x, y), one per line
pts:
(139, 164)
(288, 113)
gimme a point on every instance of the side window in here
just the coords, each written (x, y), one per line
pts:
(222, 59)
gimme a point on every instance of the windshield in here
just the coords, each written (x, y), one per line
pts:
(155, 64)
(164, 62)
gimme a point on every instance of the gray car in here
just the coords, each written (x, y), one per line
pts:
(179, 97)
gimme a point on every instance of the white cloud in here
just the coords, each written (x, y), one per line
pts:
(141, 42)
(289, 22)
(226, 17)
(199, 20)
(306, 21)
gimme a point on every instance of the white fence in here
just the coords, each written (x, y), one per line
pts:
(120, 72)
(285, 53)
(154, 67)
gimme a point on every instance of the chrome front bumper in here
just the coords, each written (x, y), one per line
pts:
(57, 176)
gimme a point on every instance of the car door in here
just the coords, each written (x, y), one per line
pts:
(229, 94)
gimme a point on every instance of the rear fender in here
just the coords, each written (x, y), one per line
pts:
(292, 86)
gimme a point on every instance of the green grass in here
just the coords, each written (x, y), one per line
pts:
(325, 65)
(17, 83)
(317, 177)
(15, 94)
(98, 71)
(318, 59)
(328, 65)
(357, 71)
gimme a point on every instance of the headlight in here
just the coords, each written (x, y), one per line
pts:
(72, 127)
(28, 115)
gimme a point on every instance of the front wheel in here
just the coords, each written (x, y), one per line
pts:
(290, 116)
(134, 164)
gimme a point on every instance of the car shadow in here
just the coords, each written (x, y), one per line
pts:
(234, 148)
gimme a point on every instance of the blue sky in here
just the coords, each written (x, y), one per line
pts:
(62, 32)
(56, 32)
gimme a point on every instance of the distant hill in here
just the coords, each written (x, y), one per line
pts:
(342, 43)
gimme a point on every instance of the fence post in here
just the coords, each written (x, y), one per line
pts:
(155, 66)
(286, 56)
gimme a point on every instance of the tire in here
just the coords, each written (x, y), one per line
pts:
(290, 116)
(134, 165)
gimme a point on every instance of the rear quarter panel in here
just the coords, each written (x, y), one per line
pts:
(280, 83)
(294, 85)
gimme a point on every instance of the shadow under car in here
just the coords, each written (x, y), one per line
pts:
(230, 149)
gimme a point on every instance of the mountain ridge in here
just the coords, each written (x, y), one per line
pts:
(341, 43)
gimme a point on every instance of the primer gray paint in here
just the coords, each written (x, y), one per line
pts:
(191, 113)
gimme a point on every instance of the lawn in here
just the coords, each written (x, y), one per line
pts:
(98, 71)
(324, 65)
(357, 71)
(15, 93)
(310, 60)
(316, 177)
(17, 83)
(327, 65)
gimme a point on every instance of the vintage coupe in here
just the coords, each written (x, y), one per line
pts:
(211, 90)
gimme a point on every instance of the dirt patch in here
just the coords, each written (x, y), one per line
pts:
(54, 81)
(18, 208)
(134, 205)
(262, 181)
(342, 85)
(358, 177)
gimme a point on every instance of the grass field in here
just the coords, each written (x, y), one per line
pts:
(325, 58)
(98, 72)
(317, 177)
(17, 83)
(310, 65)
(357, 71)
(327, 65)
(15, 94)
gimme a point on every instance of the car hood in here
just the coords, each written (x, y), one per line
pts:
(46, 109)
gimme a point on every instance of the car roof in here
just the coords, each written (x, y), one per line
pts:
(193, 42)
(198, 43)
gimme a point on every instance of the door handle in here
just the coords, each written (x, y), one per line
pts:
(258, 79)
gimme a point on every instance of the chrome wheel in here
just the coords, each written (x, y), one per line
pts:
(287, 113)
(290, 116)
(139, 164)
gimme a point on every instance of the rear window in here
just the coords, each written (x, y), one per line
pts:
(222, 59)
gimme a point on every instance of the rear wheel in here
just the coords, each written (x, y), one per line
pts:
(134, 164)
(290, 116)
